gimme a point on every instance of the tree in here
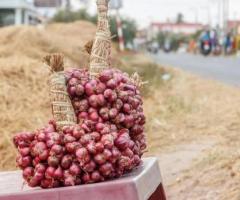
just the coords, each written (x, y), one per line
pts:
(129, 29)
(129, 25)
(70, 16)
(180, 18)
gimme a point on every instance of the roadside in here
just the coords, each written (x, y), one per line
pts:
(193, 124)
(194, 128)
(224, 69)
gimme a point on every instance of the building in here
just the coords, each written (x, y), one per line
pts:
(234, 25)
(177, 28)
(48, 8)
(16, 12)
(141, 39)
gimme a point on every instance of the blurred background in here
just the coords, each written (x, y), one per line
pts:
(208, 27)
(186, 51)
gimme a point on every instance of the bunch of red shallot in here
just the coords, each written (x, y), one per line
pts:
(98, 129)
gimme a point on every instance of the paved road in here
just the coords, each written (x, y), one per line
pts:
(225, 69)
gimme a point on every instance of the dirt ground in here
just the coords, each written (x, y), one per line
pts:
(194, 129)
(193, 124)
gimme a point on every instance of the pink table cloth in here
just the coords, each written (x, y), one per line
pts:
(138, 185)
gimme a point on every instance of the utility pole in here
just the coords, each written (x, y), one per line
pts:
(85, 3)
(120, 31)
(219, 14)
(116, 5)
(195, 12)
(225, 13)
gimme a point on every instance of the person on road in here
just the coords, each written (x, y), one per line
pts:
(228, 43)
(205, 43)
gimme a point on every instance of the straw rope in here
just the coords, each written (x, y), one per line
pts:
(101, 49)
(62, 108)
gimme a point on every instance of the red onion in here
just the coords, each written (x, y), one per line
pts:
(38, 176)
(101, 87)
(44, 155)
(91, 147)
(77, 132)
(107, 141)
(118, 104)
(75, 169)
(83, 107)
(86, 178)
(116, 153)
(79, 90)
(69, 139)
(82, 155)
(123, 95)
(120, 118)
(89, 167)
(113, 113)
(106, 169)
(58, 173)
(47, 183)
(53, 161)
(93, 101)
(41, 137)
(107, 153)
(105, 131)
(122, 142)
(85, 139)
(72, 90)
(41, 168)
(66, 161)
(24, 151)
(82, 115)
(104, 113)
(124, 162)
(128, 152)
(112, 84)
(100, 159)
(36, 161)
(56, 150)
(89, 88)
(101, 100)
(33, 182)
(28, 173)
(72, 147)
(94, 116)
(24, 161)
(69, 181)
(73, 82)
(49, 172)
(99, 127)
(96, 176)
(99, 147)
(95, 136)
(85, 128)
(39, 148)
(129, 121)
(106, 75)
